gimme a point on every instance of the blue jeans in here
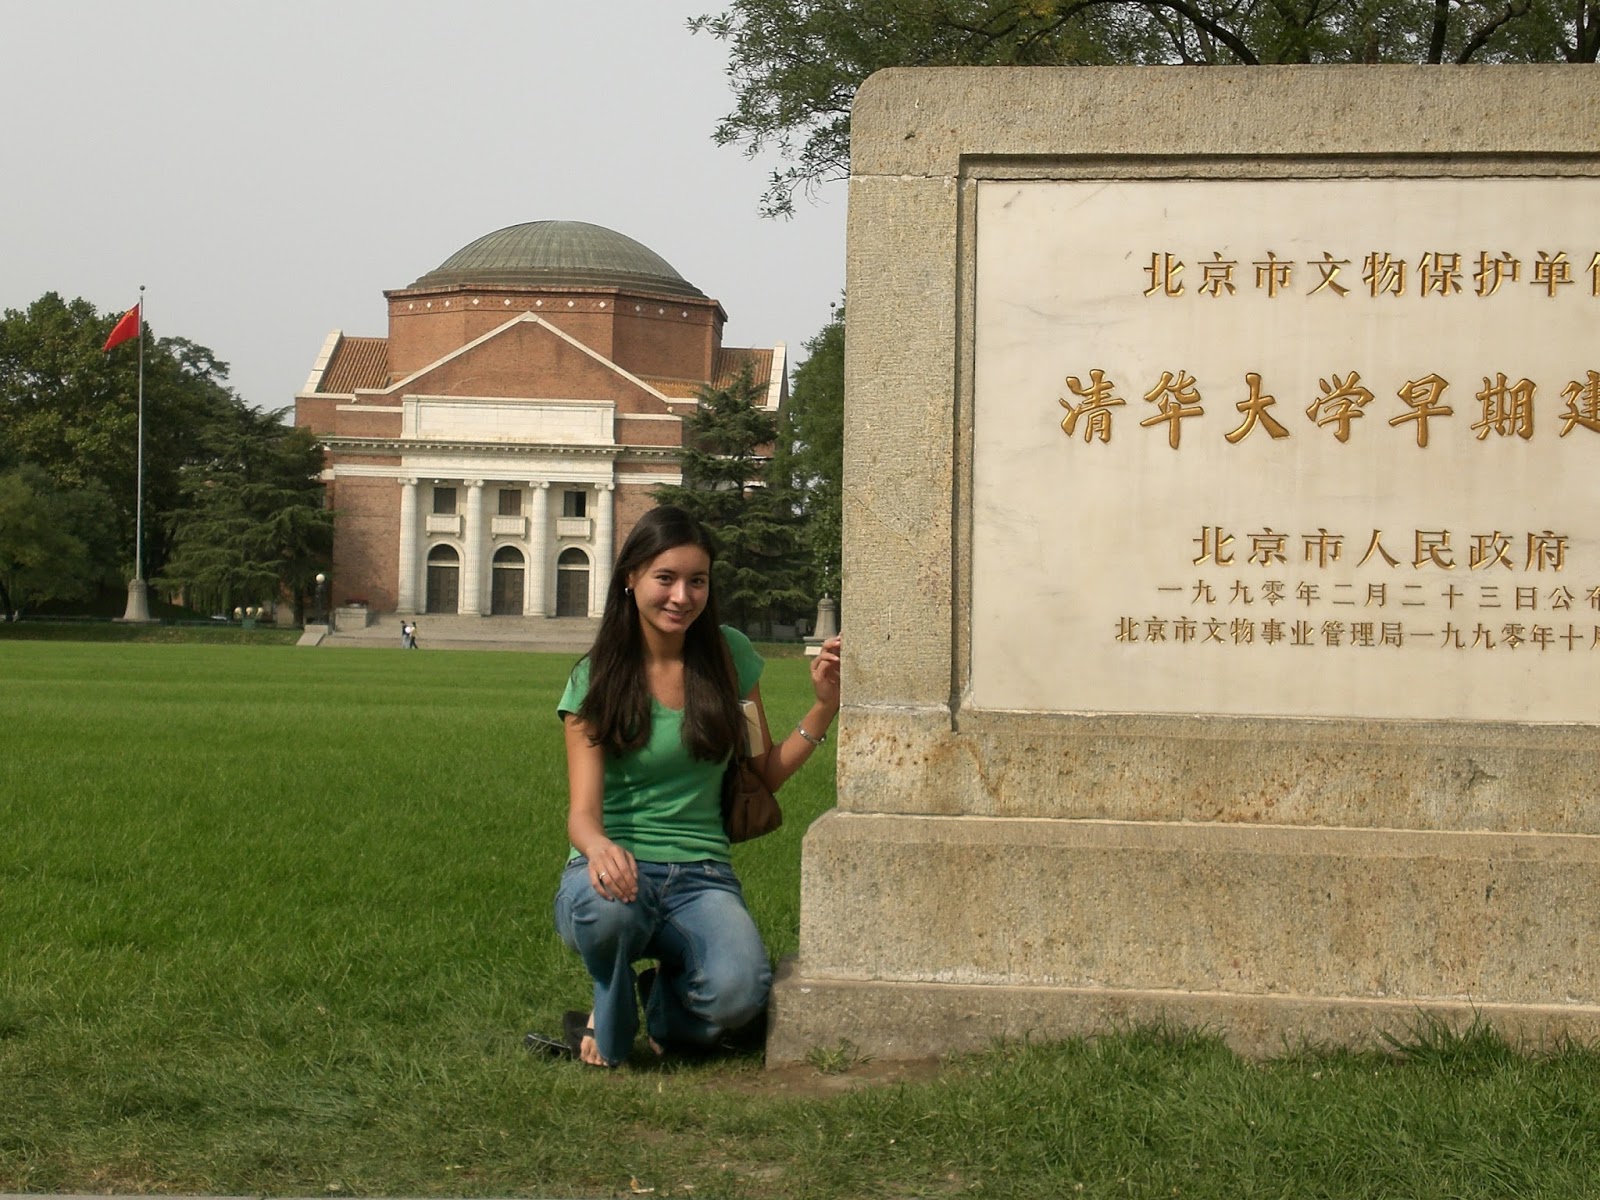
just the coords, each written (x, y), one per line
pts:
(714, 975)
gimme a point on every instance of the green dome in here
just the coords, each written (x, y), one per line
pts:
(557, 254)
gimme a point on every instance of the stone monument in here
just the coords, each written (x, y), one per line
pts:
(827, 626)
(1221, 557)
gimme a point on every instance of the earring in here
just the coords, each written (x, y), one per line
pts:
(628, 592)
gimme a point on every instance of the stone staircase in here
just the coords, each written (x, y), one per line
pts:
(440, 631)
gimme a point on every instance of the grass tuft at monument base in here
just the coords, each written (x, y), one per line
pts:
(274, 921)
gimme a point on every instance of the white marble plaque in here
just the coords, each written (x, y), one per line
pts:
(1328, 448)
(569, 423)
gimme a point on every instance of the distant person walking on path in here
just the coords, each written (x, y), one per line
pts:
(408, 635)
(652, 716)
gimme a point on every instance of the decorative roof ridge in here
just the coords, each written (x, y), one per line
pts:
(591, 289)
(352, 444)
(399, 385)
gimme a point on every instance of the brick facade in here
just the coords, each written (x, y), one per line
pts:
(366, 515)
(571, 397)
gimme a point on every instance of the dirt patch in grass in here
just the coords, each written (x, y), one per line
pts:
(806, 1081)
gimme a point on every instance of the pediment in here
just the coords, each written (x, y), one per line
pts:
(528, 358)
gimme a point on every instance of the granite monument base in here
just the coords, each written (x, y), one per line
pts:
(926, 935)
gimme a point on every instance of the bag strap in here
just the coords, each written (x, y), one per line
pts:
(740, 739)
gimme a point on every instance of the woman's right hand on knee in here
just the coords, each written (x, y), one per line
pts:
(613, 873)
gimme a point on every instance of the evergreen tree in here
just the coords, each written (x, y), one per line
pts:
(811, 451)
(234, 494)
(252, 523)
(55, 543)
(760, 574)
(71, 410)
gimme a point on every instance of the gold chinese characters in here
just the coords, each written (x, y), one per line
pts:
(1273, 631)
(1542, 550)
(1307, 595)
(1504, 408)
(1380, 274)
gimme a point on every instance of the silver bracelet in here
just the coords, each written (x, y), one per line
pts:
(815, 741)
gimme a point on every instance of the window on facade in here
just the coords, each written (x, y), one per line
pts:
(510, 502)
(444, 500)
(574, 504)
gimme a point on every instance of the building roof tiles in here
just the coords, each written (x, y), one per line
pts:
(731, 359)
(357, 362)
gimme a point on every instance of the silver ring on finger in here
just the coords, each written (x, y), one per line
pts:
(602, 874)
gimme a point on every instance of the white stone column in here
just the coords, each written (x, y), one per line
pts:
(406, 594)
(472, 553)
(536, 602)
(604, 535)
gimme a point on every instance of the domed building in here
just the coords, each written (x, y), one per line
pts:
(487, 457)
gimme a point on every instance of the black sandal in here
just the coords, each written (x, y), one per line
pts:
(574, 1028)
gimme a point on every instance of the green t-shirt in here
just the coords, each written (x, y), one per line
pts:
(661, 803)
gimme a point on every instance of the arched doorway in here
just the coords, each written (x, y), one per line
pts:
(444, 579)
(505, 583)
(572, 583)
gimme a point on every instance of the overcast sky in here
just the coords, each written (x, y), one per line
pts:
(267, 170)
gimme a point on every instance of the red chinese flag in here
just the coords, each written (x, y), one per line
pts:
(126, 328)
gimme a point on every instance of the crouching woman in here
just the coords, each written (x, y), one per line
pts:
(652, 716)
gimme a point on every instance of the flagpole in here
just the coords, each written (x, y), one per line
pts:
(138, 592)
(138, 536)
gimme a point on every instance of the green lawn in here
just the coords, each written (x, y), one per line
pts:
(273, 921)
(216, 633)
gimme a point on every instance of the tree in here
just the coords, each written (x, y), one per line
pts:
(252, 523)
(72, 411)
(760, 572)
(49, 538)
(811, 444)
(795, 64)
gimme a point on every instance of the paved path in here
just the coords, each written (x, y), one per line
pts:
(560, 635)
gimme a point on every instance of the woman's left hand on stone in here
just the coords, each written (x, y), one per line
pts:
(825, 672)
